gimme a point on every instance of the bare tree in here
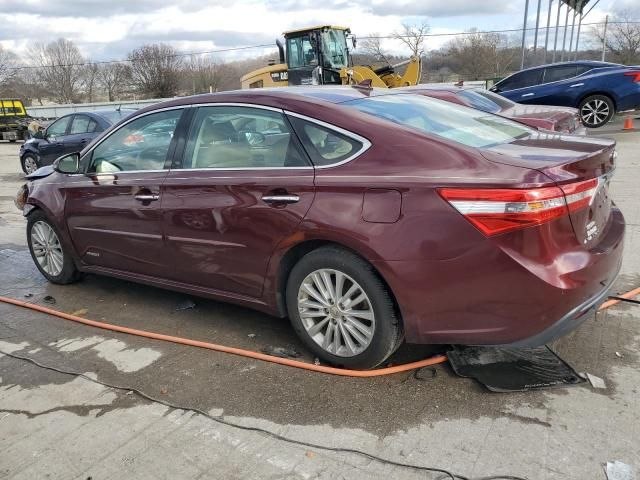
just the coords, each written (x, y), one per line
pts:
(203, 74)
(113, 78)
(91, 81)
(372, 45)
(62, 68)
(155, 70)
(480, 55)
(413, 36)
(622, 40)
(7, 65)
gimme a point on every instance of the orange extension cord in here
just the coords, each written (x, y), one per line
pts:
(257, 355)
(235, 351)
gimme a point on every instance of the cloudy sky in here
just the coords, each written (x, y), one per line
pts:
(107, 30)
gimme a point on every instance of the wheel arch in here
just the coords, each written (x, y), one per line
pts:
(599, 92)
(297, 251)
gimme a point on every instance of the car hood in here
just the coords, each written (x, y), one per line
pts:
(42, 172)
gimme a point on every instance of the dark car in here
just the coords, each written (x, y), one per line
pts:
(557, 119)
(70, 133)
(365, 216)
(597, 89)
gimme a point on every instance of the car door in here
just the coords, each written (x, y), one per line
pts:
(53, 145)
(114, 209)
(241, 188)
(82, 131)
(520, 87)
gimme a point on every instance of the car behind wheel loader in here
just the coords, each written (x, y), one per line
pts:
(320, 56)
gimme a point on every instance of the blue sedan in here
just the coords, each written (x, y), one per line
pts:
(597, 89)
(68, 134)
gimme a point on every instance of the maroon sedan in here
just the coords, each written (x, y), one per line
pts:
(556, 119)
(365, 216)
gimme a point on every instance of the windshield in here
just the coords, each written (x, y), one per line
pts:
(334, 46)
(461, 124)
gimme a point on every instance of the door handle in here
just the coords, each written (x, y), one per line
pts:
(528, 95)
(576, 85)
(147, 197)
(281, 198)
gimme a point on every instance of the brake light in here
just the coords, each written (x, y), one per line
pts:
(635, 75)
(494, 211)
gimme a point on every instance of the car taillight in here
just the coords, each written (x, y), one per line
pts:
(494, 211)
(635, 75)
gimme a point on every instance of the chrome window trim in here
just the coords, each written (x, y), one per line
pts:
(366, 144)
(237, 104)
(93, 147)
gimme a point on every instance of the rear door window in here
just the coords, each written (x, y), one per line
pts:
(234, 138)
(555, 74)
(82, 124)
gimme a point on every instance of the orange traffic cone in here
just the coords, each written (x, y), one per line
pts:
(628, 123)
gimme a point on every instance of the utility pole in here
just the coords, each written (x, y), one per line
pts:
(535, 37)
(604, 37)
(555, 41)
(546, 37)
(524, 31)
(564, 37)
(578, 37)
(573, 27)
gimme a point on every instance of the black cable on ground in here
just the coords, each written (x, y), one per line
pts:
(222, 421)
(622, 299)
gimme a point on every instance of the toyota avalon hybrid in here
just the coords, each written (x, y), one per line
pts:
(366, 217)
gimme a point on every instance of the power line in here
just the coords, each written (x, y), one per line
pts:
(250, 47)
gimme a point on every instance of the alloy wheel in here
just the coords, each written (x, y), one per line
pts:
(595, 112)
(30, 164)
(336, 312)
(46, 248)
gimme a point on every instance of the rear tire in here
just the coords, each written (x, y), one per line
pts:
(355, 330)
(48, 252)
(596, 110)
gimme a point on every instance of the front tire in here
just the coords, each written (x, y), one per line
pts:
(596, 111)
(29, 163)
(341, 309)
(48, 252)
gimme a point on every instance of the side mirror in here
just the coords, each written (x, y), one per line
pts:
(69, 163)
(353, 41)
(38, 135)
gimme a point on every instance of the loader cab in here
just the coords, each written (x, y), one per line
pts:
(315, 56)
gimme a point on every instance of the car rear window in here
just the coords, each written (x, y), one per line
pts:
(478, 101)
(464, 125)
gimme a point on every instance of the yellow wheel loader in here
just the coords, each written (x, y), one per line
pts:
(320, 56)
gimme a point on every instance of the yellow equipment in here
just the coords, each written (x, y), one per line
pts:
(13, 120)
(320, 56)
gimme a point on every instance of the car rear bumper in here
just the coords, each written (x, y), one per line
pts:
(490, 296)
(570, 321)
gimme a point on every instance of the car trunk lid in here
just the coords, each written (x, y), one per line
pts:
(581, 167)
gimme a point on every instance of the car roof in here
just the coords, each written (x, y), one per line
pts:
(591, 63)
(282, 97)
